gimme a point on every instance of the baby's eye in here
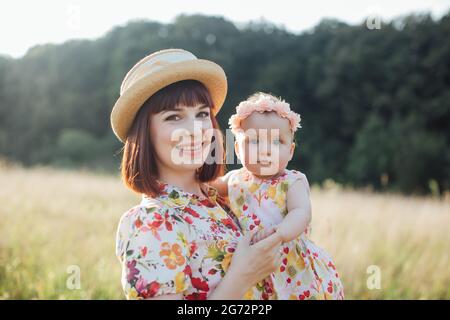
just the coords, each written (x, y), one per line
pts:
(203, 114)
(173, 117)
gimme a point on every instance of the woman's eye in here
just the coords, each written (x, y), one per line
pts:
(203, 114)
(172, 118)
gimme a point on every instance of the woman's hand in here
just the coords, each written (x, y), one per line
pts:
(254, 262)
(262, 234)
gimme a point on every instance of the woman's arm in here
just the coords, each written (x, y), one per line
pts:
(226, 290)
(177, 296)
(250, 264)
(299, 210)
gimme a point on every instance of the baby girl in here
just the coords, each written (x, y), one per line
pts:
(265, 195)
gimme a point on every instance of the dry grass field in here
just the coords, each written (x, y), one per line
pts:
(52, 220)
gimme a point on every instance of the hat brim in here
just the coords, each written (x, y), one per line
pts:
(128, 104)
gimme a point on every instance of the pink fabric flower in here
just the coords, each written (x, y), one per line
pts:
(263, 104)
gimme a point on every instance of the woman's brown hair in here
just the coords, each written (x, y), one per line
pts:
(139, 169)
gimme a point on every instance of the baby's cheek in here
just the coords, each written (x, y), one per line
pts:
(284, 157)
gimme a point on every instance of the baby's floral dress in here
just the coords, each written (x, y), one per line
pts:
(175, 243)
(307, 271)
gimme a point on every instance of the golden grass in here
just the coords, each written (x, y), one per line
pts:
(52, 219)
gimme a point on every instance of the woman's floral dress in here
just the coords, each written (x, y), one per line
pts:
(307, 271)
(177, 242)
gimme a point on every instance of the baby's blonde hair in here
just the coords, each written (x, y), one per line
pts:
(254, 97)
(263, 102)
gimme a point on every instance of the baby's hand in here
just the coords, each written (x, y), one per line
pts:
(262, 234)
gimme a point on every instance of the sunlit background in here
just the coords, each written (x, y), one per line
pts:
(371, 80)
(24, 24)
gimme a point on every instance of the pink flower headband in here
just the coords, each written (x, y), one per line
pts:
(262, 104)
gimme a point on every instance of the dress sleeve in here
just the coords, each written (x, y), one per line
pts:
(297, 175)
(153, 250)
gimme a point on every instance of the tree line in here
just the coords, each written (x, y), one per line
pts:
(375, 104)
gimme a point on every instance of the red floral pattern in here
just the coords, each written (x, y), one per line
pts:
(176, 243)
(306, 271)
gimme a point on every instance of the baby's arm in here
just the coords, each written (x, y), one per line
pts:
(299, 210)
(221, 184)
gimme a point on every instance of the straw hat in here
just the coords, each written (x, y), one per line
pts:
(157, 71)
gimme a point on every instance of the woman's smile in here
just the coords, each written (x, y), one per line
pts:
(192, 150)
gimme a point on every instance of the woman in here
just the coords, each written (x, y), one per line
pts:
(179, 242)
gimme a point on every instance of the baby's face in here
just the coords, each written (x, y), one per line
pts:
(266, 145)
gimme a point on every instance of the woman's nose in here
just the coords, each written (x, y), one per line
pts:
(191, 131)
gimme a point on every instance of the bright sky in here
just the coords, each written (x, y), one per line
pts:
(26, 23)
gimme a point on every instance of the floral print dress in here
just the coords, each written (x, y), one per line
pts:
(175, 243)
(307, 271)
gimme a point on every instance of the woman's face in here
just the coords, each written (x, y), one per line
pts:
(181, 137)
